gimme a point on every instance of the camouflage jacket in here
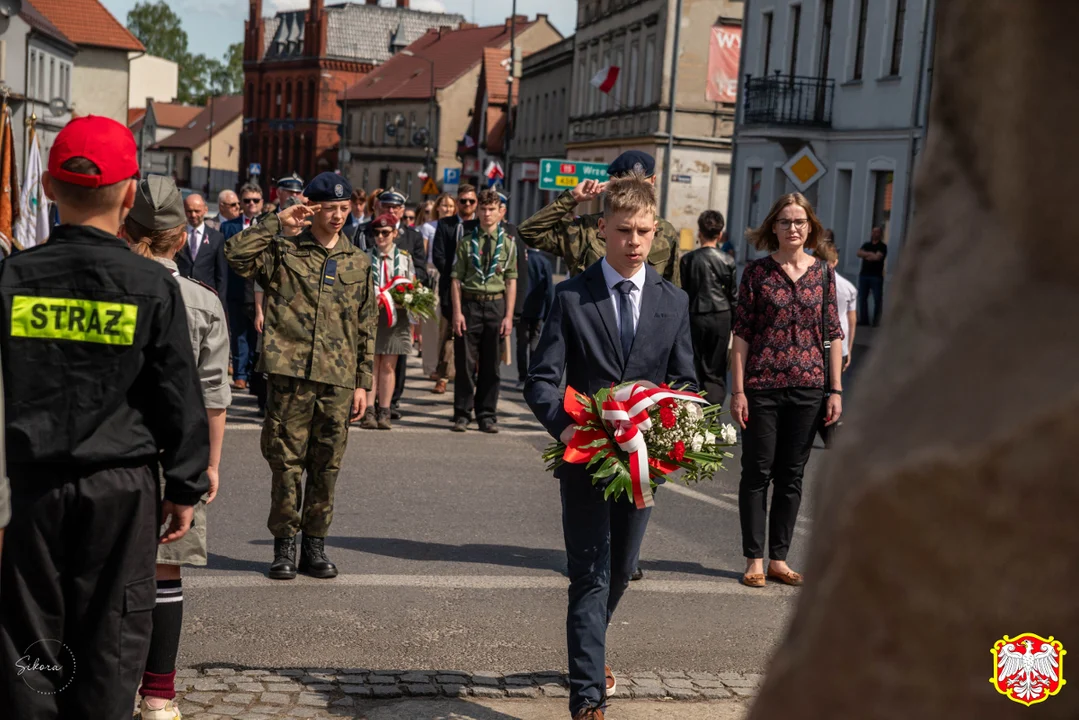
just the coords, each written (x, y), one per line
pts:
(579, 243)
(321, 306)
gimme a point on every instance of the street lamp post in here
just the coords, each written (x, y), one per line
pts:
(429, 162)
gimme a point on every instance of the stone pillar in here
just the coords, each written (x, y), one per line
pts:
(948, 514)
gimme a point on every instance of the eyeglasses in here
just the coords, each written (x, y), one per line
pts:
(383, 233)
(410, 216)
(235, 204)
(466, 201)
(800, 224)
(251, 201)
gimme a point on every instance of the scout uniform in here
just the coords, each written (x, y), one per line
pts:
(318, 348)
(578, 241)
(101, 391)
(484, 263)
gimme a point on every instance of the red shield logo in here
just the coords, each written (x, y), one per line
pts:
(1028, 669)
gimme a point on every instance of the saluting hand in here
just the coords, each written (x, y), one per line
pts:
(179, 523)
(589, 190)
(296, 217)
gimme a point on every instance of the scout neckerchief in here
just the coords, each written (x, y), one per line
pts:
(492, 264)
(388, 280)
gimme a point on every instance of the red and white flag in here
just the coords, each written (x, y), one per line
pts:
(605, 79)
(494, 173)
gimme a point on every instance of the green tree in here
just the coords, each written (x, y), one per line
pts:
(159, 29)
(234, 68)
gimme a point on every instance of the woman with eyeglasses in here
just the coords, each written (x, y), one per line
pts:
(786, 313)
(394, 335)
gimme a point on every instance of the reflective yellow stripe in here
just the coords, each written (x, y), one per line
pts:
(108, 323)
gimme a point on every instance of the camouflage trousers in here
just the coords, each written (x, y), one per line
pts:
(306, 429)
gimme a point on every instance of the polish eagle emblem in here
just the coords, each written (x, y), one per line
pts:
(1028, 669)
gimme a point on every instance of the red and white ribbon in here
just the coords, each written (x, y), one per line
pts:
(627, 413)
(385, 299)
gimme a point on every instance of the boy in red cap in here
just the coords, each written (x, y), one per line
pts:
(102, 390)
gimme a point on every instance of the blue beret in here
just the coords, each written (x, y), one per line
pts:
(503, 199)
(391, 197)
(328, 187)
(632, 161)
(293, 182)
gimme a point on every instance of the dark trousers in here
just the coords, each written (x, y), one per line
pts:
(868, 284)
(242, 341)
(528, 335)
(78, 591)
(399, 379)
(775, 447)
(477, 354)
(603, 542)
(711, 334)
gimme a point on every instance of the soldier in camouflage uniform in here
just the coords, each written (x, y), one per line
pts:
(318, 349)
(578, 241)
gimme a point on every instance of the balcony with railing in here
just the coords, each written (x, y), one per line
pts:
(788, 100)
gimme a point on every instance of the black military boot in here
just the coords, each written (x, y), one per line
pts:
(284, 559)
(313, 560)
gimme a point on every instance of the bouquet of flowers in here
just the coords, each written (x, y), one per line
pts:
(418, 301)
(633, 435)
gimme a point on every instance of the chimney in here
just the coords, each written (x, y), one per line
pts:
(521, 20)
(402, 4)
(253, 36)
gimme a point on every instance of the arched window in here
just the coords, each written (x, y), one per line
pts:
(277, 101)
(266, 101)
(288, 100)
(311, 113)
(297, 158)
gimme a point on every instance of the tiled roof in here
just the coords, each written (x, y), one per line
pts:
(496, 70)
(494, 87)
(353, 30)
(175, 115)
(87, 22)
(194, 133)
(133, 116)
(453, 53)
(41, 24)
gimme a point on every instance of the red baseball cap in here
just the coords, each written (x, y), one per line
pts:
(104, 142)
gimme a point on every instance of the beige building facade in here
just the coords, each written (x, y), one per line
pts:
(639, 39)
(152, 77)
(100, 83)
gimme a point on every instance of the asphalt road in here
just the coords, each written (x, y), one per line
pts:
(451, 558)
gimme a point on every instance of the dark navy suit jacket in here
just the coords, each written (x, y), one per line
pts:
(580, 341)
(209, 266)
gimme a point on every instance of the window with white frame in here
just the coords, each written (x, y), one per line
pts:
(649, 78)
(859, 39)
(897, 37)
(766, 43)
(634, 69)
(32, 90)
(795, 30)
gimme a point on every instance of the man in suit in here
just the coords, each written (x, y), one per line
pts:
(444, 254)
(618, 321)
(356, 216)
(203, 257)
(228, 208)
(409, 240)
(240, 293)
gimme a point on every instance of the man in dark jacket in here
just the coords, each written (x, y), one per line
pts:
(444, 254)
(534, 309)
(240, 294)
(203, 257)
(708, 277)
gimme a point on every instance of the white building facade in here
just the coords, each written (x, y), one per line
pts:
(849, 82)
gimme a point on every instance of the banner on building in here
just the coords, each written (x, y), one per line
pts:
(724, 51)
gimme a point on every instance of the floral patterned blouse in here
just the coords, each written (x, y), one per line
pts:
(781, 321)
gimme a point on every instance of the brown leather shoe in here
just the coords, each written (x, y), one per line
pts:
(440, 387)
(612, 683)
(240, 385)
(787, 578)
(753, 580)
(588, 714)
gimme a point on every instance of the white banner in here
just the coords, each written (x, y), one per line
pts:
(32, 227)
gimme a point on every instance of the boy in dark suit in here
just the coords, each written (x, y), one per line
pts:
(618, 321)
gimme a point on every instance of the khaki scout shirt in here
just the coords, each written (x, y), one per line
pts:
(209, 337)
(579, 243)
(320, 326)
(465, 271)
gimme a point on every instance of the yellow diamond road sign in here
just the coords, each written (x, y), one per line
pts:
(804, 169)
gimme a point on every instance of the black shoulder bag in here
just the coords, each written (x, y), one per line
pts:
(826, 432)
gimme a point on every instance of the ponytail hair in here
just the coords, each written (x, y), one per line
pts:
(152, 243)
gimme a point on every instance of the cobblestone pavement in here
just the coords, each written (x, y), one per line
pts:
(258, 694)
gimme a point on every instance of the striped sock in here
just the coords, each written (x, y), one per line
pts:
(158, 680)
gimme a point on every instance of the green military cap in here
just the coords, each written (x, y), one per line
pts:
(158, 204)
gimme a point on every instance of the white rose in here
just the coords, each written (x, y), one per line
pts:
(697, 442)
(728, 434)
(408, 298)
(694, 410)
(709, 438)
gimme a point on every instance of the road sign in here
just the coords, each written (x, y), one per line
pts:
(429, 187)
(451, 176)
(254, 169)
(567, 174)
(804, 169)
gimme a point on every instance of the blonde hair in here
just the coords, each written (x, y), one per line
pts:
(152, 243)
(369, 206)
(631, 193)
(764, 237)
(424, 212)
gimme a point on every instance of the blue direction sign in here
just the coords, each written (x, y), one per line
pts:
(451, 176)
(254, 169)
(565, 174)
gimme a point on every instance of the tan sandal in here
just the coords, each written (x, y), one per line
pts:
(753, 580)
(787, 578)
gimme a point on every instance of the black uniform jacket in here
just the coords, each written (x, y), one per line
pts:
(708, 277)
(98, 367)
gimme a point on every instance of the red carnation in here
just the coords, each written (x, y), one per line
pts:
(678, 452)
(667, 417)
(664, 386)
(668, 403)
(409, 286)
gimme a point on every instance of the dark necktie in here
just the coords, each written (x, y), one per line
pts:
(625, 317)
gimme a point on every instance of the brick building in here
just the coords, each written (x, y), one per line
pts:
(297, 62)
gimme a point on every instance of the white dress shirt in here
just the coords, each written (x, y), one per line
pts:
(612, 278)
(194, 238)
(846, 296)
